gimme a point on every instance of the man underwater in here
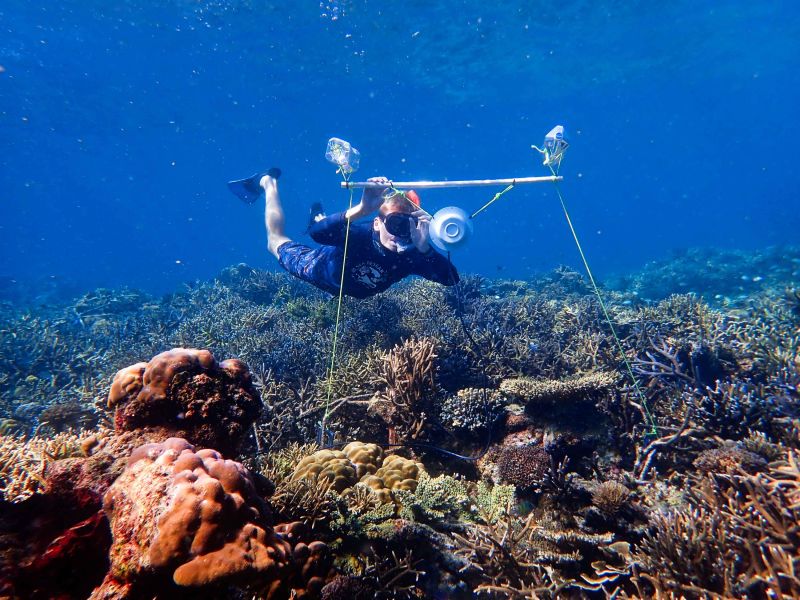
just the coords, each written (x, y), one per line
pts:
(379, 255)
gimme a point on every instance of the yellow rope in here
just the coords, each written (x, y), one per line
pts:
(648, 416)
(490, 202)
(338, 319)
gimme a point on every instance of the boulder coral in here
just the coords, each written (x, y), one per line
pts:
(194, 518)
(360, 463)
(187, 394)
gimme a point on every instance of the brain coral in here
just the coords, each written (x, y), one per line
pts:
(195, 518)
(188, 394)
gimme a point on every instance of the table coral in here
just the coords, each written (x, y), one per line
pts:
(533, 392)
(190, 516)
(190, 395)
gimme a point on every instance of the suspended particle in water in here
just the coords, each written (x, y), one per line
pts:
(333, 9)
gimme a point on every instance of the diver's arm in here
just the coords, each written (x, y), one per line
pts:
(329, 231)
(435, 267)
(371, 200)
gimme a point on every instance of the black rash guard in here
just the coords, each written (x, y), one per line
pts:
(370, 268)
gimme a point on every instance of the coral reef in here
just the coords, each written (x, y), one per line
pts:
(525, 458)
(187, 393)
(196, 519)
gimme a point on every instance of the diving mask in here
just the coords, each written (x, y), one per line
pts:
(399, 224)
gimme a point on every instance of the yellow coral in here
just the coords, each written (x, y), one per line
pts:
(331, 465)
(361, 463)
(366, 457)
(399, 473)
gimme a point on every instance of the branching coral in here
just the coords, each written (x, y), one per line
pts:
(406, 402)
(21, 470)
(506, 557)
(23, 463)
(739, 537)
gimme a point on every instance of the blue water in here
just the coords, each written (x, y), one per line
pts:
(122, 121)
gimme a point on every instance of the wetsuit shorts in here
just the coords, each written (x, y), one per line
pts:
(305, 263)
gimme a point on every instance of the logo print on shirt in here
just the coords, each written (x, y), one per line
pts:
(368, 274)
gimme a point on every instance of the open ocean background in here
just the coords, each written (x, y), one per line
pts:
(120, 123)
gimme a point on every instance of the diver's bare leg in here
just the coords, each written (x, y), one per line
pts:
(273, 215)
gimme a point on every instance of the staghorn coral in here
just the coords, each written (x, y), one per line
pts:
(538, 392)
(23, 463)
(186, 392)
(758, 443)
(406, 402)
(505, 560)
(21, 469)
(738, 537)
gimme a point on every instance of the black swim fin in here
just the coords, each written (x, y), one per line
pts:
(248, 189)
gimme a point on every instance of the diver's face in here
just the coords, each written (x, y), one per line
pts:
(394, 231)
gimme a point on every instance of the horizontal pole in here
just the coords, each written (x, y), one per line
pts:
(426, 185)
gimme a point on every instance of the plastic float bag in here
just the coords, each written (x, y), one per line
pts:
(342, 154)
(553, 147)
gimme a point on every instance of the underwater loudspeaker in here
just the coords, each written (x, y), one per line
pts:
(450, 228)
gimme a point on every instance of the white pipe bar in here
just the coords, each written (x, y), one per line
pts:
(425, 185)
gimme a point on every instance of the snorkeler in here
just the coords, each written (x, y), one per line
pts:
(379, 255)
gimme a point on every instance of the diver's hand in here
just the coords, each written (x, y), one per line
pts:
(371, 199)
(420, 235)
